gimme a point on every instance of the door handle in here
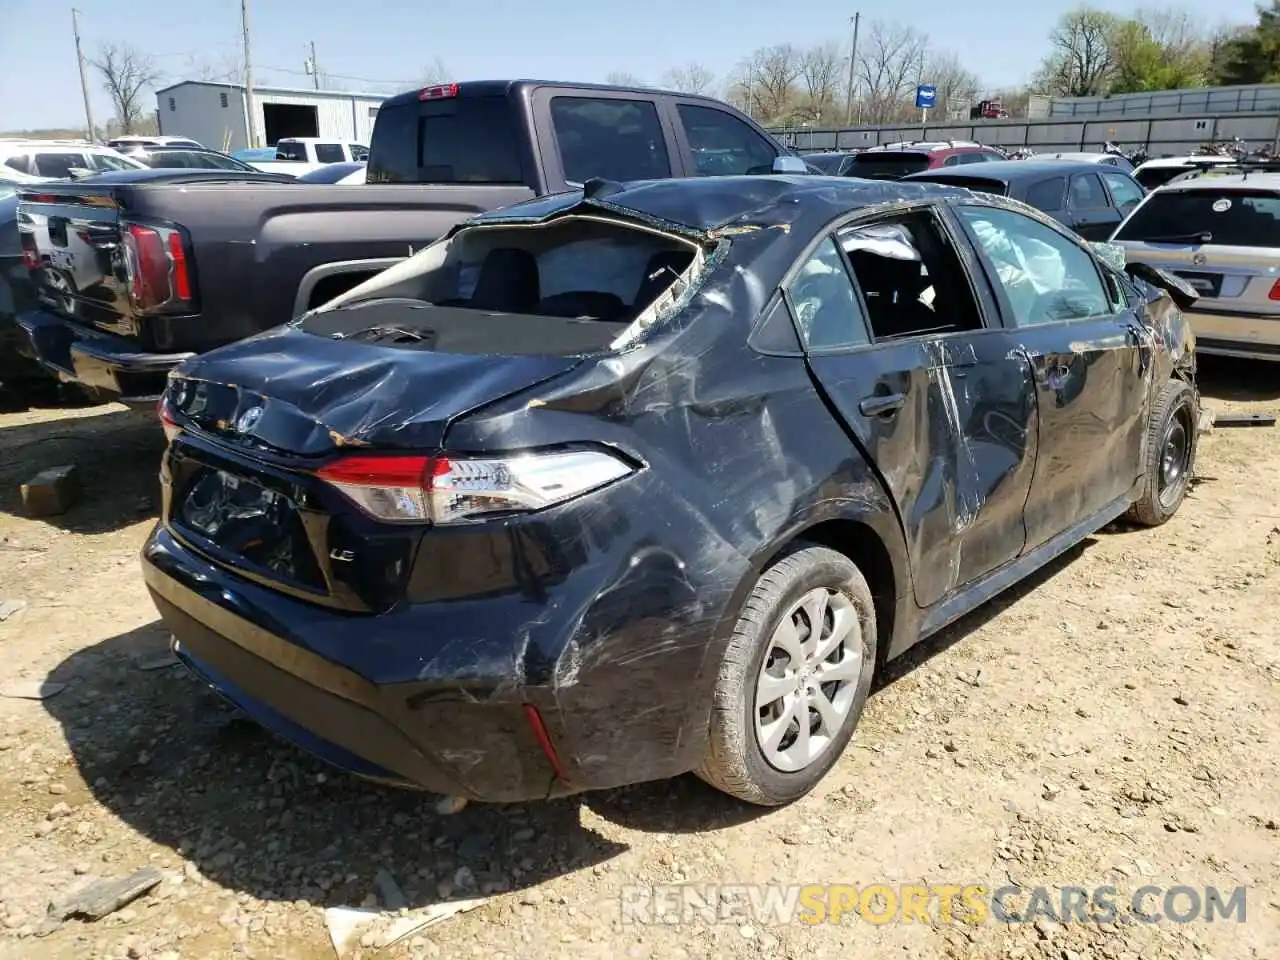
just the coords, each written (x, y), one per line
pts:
(882, 404)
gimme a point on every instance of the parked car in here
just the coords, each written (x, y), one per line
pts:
(187, 158)
(219, 256)
(621, 483)
(1156, 173)
(1221, 234)
(344, 174)
(833, 164)
(126, 143)
(58, 159)
(300, 155)
(1102, 157)
(894, 160)
(254, 154)
(1090, 200)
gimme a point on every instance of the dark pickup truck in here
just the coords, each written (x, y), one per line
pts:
(136, 271)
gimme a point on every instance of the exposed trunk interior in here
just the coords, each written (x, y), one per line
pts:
(574, 285)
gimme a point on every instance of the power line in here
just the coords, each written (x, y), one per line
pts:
(336, 76)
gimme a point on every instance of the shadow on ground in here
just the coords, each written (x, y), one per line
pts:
(171, 760)
(1228, 378)
(116, 453)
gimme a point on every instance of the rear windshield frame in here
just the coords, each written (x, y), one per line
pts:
(1167, 213)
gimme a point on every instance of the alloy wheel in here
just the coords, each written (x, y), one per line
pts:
(808, 679)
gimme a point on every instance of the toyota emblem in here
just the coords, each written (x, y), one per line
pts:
(1198, 259)
(248, 420)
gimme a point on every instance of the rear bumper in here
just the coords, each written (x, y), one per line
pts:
(468, 733)
(1226, 333)
(110, 365)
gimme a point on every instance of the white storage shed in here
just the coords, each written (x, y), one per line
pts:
(214, 114)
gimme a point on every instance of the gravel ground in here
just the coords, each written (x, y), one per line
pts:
(1114, 721)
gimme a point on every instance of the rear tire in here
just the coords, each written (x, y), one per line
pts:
(1171, 450)
(778, 673)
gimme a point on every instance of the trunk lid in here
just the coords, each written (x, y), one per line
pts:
(258, 418)
(315, 395)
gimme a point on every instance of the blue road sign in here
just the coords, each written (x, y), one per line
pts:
(926, 93)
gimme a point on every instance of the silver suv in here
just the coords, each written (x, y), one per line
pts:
(1221, 234)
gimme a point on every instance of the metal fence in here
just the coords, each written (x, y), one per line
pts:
(1251, 98)
(1159, 135)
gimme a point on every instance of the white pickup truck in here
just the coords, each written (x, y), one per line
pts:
(298, 155)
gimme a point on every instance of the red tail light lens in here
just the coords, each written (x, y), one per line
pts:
(441, 490)
(158, 268)
(171, 428)
(1275, 291)
(30, 252)
(440, 91)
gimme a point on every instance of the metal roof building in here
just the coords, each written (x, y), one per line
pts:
(216, 113)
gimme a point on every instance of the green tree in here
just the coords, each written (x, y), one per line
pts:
(1254, 55)
(1147, 57)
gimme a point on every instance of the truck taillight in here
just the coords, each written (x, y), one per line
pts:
(158, 268)
(30, 252)
(441, 490)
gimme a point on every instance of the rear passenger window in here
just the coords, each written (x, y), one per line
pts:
(21, 162)
(1087, 193)
(329, 153)
(1047, 194)
(610, 138)
(824, 302)
(1046, 277)
(911, 278)
(291, 151)
(60, 164)
(722, 145)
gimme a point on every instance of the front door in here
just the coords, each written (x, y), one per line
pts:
(1091, 362)
(941, 404)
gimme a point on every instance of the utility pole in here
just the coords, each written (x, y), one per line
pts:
(84, 82)
(853, 60)
(250, 113)
(315, 69)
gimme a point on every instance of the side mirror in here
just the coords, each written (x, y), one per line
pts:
(788, 164)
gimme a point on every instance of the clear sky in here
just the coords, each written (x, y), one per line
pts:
(373, 44)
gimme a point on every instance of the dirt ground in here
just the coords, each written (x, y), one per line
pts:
(1114, 721)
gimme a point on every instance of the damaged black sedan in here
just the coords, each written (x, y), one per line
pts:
(652, 478)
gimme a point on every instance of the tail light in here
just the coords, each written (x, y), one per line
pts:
(1275, 291)
(158, 267)
(30, 252)
(444, 490)
(165, 411)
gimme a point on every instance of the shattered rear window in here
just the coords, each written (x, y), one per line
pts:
(1233, 218)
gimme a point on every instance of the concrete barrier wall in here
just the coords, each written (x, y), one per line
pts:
(1161, 136)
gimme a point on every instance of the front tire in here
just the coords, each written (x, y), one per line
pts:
(1171, 448)
(794, 679)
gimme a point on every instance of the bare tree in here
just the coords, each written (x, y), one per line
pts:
(821, 69)
(436, 71)
(890, 62)
(956, 86)
(1177, 31)
(772, 73)
(125, 74)
(226, 69)
(1081, 55)
(621, 78)
(693, 78)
